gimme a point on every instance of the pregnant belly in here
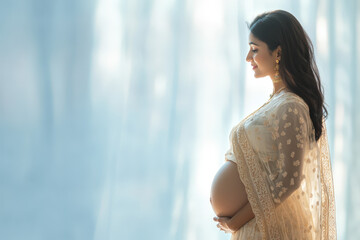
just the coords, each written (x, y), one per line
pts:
(228, 193)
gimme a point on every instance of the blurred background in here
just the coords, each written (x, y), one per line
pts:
(115, 114)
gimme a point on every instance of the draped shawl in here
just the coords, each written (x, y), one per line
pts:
(286, 172)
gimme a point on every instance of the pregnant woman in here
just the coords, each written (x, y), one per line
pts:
(276, 182)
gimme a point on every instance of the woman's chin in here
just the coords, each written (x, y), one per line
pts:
(258, 75)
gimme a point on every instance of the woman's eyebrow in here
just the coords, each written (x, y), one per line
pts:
(253, 43)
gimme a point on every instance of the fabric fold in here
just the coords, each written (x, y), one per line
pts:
(286, 172)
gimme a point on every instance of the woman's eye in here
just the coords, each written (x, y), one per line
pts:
(254, 50)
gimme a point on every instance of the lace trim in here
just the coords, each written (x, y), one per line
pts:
(328, 218)
(258, 194)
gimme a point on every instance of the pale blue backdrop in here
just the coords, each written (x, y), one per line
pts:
(115, 114)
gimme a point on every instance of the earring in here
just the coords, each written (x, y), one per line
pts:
(277, 75)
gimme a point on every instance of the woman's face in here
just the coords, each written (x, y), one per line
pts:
(262, 60)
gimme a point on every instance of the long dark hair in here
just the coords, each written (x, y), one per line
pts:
(297, 67)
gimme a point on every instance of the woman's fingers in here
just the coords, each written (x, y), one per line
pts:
(222, 224)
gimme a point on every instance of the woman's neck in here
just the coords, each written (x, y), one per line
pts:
(278, 86)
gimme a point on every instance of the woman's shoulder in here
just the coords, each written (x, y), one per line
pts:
(288, 99)
(287, 105)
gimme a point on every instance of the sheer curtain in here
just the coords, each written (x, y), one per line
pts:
(115, 114)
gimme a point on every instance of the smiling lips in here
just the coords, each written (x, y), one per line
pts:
(254, 66)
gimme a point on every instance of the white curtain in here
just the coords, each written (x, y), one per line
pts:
(115, 114)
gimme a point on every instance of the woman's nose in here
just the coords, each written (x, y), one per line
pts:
(248, 57)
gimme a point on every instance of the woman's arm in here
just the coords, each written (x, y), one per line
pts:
(244, 215)
(240, 218)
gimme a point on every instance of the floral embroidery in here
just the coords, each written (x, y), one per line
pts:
(272, 177)
(298, 137)
(291, 181)
(279, 184)
(275, 135)
(296, 163)
(301, 120)
(266, 178)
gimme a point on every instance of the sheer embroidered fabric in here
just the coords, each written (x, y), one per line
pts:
(286, 173)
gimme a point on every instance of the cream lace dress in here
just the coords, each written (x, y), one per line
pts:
(286, 173)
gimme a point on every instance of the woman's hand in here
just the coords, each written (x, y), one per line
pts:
(224, 224)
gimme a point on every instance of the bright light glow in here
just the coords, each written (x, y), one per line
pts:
(108, 26)
(160, 86)
(208, 14)
(322, 36)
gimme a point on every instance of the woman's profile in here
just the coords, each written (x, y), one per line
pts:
(276, 182)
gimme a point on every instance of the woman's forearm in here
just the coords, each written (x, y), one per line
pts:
(244, 215)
